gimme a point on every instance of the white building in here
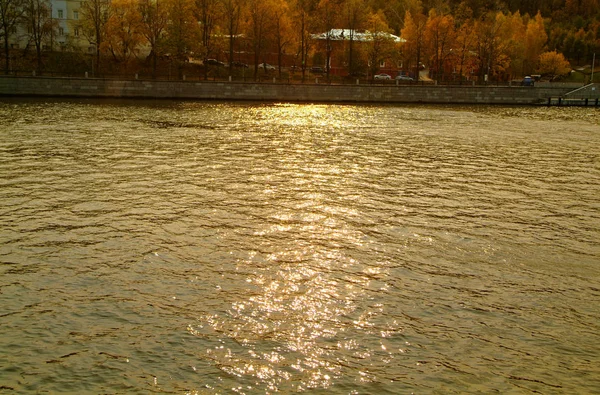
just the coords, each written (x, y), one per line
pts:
(67, 34)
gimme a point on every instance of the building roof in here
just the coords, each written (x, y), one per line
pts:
(344, 34)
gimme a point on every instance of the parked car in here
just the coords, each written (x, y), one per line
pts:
(266, 66)
(382, 76)
(213, 62)
(239, 64)
(403, 77)
(316, 70)
(357, 74)
(527, 81)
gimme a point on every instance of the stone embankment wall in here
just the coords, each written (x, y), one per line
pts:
(590, 91)
(91, 87)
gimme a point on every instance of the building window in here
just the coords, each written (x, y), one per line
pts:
(382, 64)
(60, 14)
(76, 15)
(76, 32)
(61, 31)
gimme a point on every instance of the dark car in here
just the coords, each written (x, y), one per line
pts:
(316, 70)
(213, 62)
(357, 74)
(239, 64)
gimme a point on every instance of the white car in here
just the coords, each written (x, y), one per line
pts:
(401, 77)
(266, 66)
(382, 76)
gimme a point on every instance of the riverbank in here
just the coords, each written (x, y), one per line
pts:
(314, 92)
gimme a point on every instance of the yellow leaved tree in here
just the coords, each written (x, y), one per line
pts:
(124, 30)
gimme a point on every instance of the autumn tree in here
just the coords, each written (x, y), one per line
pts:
(530, 7)
(462, 14)
(208, 13)
(261, 13)
(301, 20)
(232, 12)
(124, 30)
(553, 64)
(465, 39)
(490, 45)
(481, 8)
(181, 32)
(575, 45)
(440, 36)
(381, 44)
(40, 25)
(153, 22)
(441, 7)
(328, 12)
(414, 34)
(355, 13)
(582, 7)
(395, 12)
(512, 39)
(535, 43)
(10, 15)
(94, 17)
(282, 31)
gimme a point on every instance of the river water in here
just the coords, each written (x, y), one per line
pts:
(205, 247)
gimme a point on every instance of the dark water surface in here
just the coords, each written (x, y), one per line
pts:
(189, 247)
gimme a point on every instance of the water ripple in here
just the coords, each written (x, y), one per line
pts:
(185, 247)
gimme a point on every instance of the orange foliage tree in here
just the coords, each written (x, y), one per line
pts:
(462, 56)
(535, 43)
(414, 47)
(513, 34)
(491, 45)
(553, 64)
(440, 36)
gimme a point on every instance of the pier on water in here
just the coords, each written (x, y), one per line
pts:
(585, 96)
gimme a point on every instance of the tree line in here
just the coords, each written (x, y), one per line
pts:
(474, 39)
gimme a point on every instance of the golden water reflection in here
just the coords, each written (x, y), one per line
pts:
(305, 277)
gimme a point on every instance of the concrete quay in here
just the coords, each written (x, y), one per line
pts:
(249, 91)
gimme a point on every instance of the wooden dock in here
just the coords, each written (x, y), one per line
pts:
(585, 96)
(571, 101)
